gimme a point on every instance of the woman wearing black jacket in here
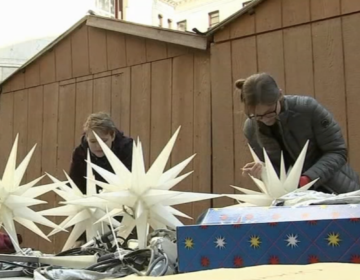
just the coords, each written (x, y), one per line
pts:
(283, 123)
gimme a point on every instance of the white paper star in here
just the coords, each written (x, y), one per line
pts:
(272, 187)
(147, 194)
(220, 242)
(15, 200)
(292, 240)
(83, 217)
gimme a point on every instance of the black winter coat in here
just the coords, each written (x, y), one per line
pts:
(122, 147)
(302, 118)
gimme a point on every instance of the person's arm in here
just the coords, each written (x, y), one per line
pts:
(78, 170)
(250, 135)
(329, 139)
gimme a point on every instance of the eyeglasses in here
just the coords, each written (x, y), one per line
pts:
(266, 115)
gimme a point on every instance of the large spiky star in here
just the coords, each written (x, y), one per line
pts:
(15, 200)
(83, 218)
(272, 187)
(147, 194)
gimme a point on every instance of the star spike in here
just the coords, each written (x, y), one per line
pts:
(15, 199)
(271, 185)
(81, 217)
(147, 194)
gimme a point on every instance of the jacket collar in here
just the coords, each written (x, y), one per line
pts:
(287, 114)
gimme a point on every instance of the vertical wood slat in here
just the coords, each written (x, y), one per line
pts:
(244, 63)
(6, 126)
(83, 106)
(268, 16)
(295, 12)
(299, 60)
(322, 9)
(20, 129)
(243, 26)
(65, 139)
(32, 75)
(97, 50)
(349, 6)
(121, 98)
(135, 50)
(183, 115)
(80, 52)
(47, 67)
(49, 153)
(116, 50)
(18, 81)
(329, 68)
(102, 94)
(155, 50)
(35, 127)
(271, 55)
(116, 94)
(63, 60)
(202, 131)
(351, 39)
(140, 107)
(161, 107)
(222, 122)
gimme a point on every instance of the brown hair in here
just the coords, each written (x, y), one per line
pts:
(100, 121)
(258, 88)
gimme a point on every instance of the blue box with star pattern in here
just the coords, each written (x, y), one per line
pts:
(241, 237)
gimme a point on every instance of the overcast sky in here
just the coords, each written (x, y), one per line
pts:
(21, 20)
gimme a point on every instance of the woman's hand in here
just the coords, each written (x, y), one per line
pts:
(252, 168)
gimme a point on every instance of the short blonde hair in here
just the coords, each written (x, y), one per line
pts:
(100, 121)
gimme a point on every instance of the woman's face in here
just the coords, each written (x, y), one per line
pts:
(94, 146)
(267, 114)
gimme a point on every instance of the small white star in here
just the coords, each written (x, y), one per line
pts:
(292, 240)
(220, 242)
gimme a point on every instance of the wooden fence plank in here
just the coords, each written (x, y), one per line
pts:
(222, 122)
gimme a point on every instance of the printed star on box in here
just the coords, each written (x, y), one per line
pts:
(255, 241)
(220, 242)
(15, 199)
(189, 243)
(83, 218)
(333, 239)
(292, 240)
(147, 194)
(271, 186)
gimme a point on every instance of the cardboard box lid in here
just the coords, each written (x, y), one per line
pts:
(251, 215)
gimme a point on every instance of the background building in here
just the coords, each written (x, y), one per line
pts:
(181, 15)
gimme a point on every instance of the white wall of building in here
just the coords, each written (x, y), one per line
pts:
(148, 11)
(139, 11)
(196, 12)
(167, 11)
(13, 56)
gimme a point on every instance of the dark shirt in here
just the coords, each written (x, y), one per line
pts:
(122, 147)
(288, 160)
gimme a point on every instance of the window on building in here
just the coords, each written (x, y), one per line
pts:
(246, 2)
(169, 23)
(213, 18)
(181, 25)
(119, 7)
(105, 8)
(160, 20)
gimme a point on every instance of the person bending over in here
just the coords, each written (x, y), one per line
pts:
(279, 122)
(105, 128)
